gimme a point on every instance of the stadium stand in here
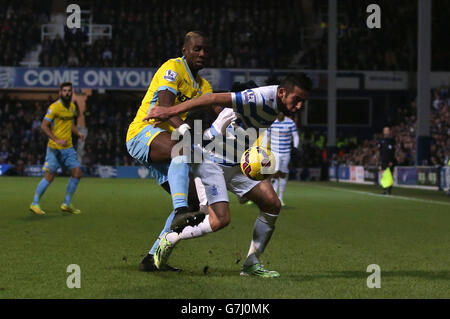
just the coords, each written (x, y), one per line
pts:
(148, 32)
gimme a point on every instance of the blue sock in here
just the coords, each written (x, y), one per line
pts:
(165, 230)
(40, 190)
(178, 176)
(71, 187)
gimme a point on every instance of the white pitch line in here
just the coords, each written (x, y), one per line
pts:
(387, 196)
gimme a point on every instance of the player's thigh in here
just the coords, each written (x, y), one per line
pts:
(264, 196)
(69, 160)
(238, 183)
(213, 180)
(161, 148)
(139, 147)
(52, 162)
(284, 164)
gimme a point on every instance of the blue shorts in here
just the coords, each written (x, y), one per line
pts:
(55, 158)
(139, 147)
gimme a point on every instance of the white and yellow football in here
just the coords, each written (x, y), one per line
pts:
(258, 163)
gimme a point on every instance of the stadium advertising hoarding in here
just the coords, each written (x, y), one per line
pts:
(405, 175)
(94, 78)
(354, 174)
(445, 178)
(428, 176)
(413, 176)
(3, 168)
(102, 171)
(220, 79)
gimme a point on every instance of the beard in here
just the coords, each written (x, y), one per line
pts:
(66, 99)
(284, 109)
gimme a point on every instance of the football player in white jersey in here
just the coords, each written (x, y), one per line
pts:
(255, 108)
(281, 134)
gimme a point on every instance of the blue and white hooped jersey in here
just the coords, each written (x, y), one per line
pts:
(257, 107)
(281, 135)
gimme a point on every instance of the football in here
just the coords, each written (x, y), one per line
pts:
(258, 163)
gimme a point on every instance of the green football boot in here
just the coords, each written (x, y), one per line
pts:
(70, 209)
(258, 270)
(36, 209)
(163, 252)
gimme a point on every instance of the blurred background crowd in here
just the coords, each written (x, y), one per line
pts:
(244, 34)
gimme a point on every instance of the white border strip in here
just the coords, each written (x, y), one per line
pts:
(386, 196)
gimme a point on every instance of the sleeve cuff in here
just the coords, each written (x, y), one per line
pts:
(165, 87)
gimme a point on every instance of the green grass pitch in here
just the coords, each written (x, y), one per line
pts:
(324, 240)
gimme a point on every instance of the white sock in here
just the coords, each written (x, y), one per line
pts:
(191, 231)
(275, 184)
(262, 231)
(283, 182)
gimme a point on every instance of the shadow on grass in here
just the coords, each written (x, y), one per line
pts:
(430, 275)
(185, 271)
(49, 215)
(206, 271)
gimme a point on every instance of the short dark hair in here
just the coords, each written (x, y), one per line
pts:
(297, 79)
(191, 34)
(64, 84)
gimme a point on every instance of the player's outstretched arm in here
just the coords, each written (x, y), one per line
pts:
(209, 100)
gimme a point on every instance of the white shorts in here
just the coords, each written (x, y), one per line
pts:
(282, 162)
(217, 179)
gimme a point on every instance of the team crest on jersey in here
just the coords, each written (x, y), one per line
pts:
(214, 191)
(170, 76)
(49, 111)
(249, 97)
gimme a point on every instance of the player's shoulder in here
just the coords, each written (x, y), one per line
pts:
(173, 64)
(205, 85)
(170, 70)
(269, 90)
(55, 105)
(289, 121)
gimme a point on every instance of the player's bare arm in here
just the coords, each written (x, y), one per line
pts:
(210, 100)
(166, 97)
(77, 132)
(45, 126)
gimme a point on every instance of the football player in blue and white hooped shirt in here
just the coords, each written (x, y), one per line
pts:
(255, 108)
(282, 134)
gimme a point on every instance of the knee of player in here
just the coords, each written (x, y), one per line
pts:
(77, 174)
(221, 222)
(272, 204)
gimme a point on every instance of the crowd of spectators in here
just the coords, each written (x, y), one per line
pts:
(148, 33)
(20, 23)
(405, 136)
(244, 34)
(22, 141)
(107, 120)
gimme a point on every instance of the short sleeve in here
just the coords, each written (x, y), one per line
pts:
(206, 87)
(51, 113)
(169, 77)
